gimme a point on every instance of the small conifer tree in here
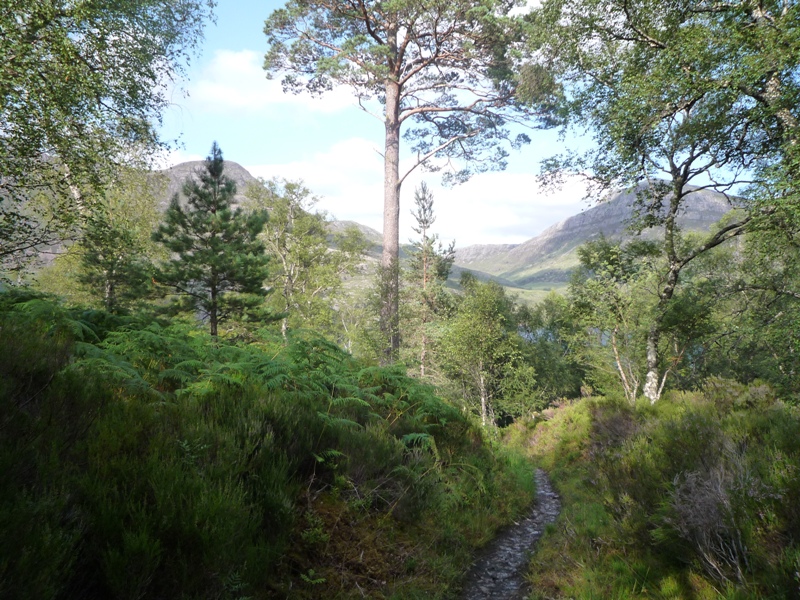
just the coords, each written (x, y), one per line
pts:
(428, 270)
(218, 265)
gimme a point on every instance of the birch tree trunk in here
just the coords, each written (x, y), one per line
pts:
(651, 388)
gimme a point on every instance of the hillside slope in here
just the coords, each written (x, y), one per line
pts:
(548, 258)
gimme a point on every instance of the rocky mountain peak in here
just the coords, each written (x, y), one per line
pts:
(178, 174)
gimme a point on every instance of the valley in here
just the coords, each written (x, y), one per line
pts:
(532, 269)
(210, 389)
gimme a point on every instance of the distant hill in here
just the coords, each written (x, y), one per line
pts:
(546, 260)
(532, 268)
(176, 176)
(372, 236)
(375, 238)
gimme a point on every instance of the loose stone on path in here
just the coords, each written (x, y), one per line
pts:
(499, 573)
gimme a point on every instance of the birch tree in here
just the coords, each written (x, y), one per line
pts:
(308, 262)
(480, 346)
(610, 304)
(678, 95)
(116, 250)
(81, 84)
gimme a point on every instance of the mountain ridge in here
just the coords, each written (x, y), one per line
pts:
(542, 262)
(549, 257)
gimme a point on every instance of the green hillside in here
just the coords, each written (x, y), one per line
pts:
(545, 262)
(144, 459)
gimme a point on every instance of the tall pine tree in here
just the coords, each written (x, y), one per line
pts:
(218, 265)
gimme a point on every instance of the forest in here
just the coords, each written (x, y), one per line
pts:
(223, 394)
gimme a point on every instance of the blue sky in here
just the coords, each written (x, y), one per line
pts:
(332, 145)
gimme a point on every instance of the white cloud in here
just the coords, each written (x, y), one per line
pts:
(503, 208)
(491, 208)
(234, 82)
(348, 177)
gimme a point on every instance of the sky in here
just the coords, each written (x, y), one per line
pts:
(333, 146)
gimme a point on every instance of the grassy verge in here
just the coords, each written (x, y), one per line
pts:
(695, 497)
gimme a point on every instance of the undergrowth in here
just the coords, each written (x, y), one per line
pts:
(148, 460)
(695, 497)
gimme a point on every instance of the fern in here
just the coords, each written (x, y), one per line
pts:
(272, 374)
(337, 422)
(349, 401)
(101, 364)
(422, 440)
(176, 376)
(53, 319)
(328, 455)
(151, 349)
(172, 429)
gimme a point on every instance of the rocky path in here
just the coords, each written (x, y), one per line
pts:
(499, 572)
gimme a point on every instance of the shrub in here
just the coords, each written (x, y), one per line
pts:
(146, 460)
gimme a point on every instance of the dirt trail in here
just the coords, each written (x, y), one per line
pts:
(499, 572)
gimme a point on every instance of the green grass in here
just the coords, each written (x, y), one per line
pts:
(642, 489)
(536, 294)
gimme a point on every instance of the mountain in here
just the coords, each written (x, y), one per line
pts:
(176, 176)
(370, 234)
(374, 238)
(546, 260)
(542, 263)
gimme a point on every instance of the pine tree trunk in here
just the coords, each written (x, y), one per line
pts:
(425, 258)
(212, 312)
(391, 224)
(423, 353)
